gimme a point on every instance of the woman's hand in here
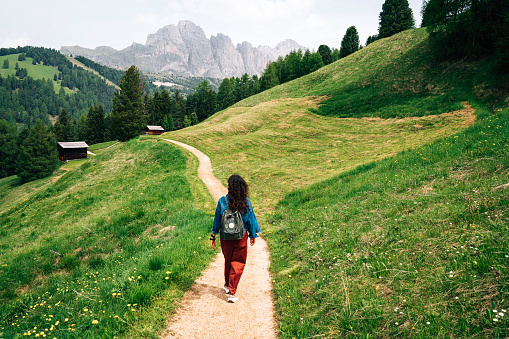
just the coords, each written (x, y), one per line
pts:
(213, 241)
(252, 241)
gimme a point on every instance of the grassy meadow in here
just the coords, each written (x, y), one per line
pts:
(34, 71)
(280, 145)
(415, 245)
(383, 220)
(76, 62)
(378, 181)
(89, 252)
(393, 78)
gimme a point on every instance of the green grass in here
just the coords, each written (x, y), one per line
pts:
(101, 145)
(415, 245)
(101, 244)
(35, 71)
(393, 77)
(280, 145)
(377, 227)
(72, 164)
(76, 62)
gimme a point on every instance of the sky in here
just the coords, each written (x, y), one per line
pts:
(93, 23)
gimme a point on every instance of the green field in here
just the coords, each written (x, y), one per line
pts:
(76, 62)
(377, 227)
(102, 145)
(380, 182)
(97, 246)
(35, 71)
(415, 245)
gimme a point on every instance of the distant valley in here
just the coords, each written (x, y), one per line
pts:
(184, 49)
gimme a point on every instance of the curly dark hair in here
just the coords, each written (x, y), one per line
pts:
(237, 193)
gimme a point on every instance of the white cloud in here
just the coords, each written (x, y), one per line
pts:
(93, 23)
(15, 40)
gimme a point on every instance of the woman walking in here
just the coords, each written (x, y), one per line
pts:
(235, 251)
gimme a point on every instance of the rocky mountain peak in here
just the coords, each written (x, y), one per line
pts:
(185, 49)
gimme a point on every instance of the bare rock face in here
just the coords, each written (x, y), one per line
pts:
(184, 49)
(201, 59)
(227, 57)
(254, 60)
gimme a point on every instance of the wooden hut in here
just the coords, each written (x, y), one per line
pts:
(154, 130)
(72, 150)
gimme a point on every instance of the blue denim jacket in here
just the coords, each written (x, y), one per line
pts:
(248, 218)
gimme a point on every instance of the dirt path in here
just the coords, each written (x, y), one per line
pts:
(204, 312)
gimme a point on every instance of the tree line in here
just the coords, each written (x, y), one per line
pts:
(462, 29)
(24, 100)
(114, 75)
(138, 104)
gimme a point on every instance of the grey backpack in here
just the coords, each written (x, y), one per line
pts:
(232, 226)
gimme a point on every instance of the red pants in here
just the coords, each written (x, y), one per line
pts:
(235, 255)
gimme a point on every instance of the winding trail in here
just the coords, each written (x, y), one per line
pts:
(204, 311)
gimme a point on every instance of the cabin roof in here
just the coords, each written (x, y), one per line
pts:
(73, 144)
(155, 128)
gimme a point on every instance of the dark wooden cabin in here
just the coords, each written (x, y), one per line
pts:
(72, 150)
(154, 130)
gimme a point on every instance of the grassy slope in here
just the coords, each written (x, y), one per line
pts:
(281, 148)
(392, 77)
(280, 145)
(76, 62)
(103, 243)
(415, 245)
(292, 147)
(35, 71)
(372, 251)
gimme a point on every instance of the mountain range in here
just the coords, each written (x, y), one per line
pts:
(184, 49)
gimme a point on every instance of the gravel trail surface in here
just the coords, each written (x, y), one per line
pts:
(204, 312)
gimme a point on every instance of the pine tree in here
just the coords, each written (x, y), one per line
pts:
(180, 110)
(206, 100)
(269, 78)
(292, 68)
(8, 148)
(350, 42)
(38, 154)
(187, 121)
(314, 62)
(167, 105)
(325, 52)
(244, 87)
(371, 39)
(225, 94)
(194, 119)
(168, 123)
(62, 127)
(396, 16)
(6, 64)
(95, 126)
(127, 112)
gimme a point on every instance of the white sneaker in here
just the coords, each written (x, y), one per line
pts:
(232, 298)
(226, 289)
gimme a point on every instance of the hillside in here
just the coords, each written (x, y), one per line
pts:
(37, 72)
(100, 242)
(108, 81)
(390, 221)
(292, 146)
(393, 221)
(51, 83)
(395, 77)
